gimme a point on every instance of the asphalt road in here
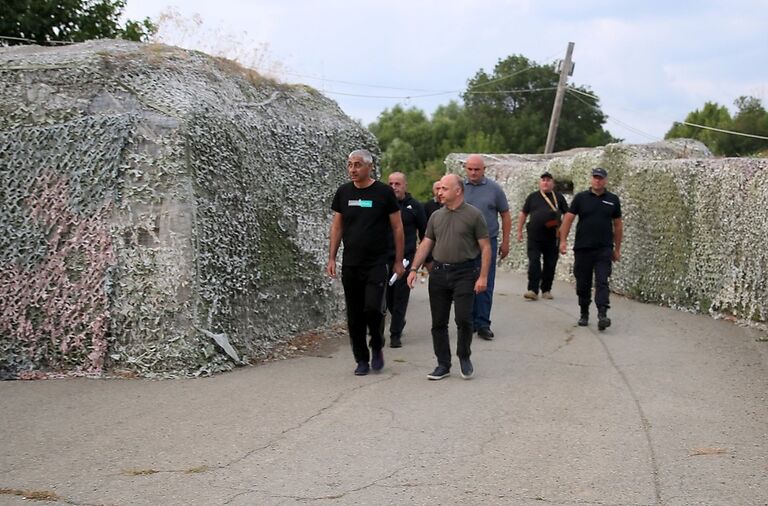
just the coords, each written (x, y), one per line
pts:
(663, 408)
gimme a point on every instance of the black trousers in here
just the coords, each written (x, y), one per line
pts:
(455, 287)
(365, 294)
(593, 263)
(538, 277)
(397, 303)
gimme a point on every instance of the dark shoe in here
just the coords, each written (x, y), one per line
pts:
(394, 342)
(466, 368)
(362, 369)
(485, 333)
(603, 322)
(439, 373)
(377, 360)
(584, 320)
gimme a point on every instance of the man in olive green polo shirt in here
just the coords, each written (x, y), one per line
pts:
(456, 234)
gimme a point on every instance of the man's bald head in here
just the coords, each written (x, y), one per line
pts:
(475, 168)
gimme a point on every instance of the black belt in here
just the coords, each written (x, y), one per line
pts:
(468, 264)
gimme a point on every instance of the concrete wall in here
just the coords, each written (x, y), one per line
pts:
(156, 200)
(694, 225)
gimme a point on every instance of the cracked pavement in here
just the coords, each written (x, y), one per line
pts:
(663, 408)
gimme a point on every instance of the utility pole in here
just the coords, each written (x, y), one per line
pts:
(565, 70)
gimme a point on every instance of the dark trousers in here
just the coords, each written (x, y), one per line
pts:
(589, 263)
(364, 292)
(397, 302)
(455, 287)
(538, 251)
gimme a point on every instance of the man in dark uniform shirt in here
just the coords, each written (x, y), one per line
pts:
(546, 209)
(414, 225)
(364, 212)
(598, 243)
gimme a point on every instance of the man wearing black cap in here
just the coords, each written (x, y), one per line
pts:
(546, 209)
(598, 243)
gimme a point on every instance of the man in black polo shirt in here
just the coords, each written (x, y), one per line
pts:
(546, 209)
(414, 225)
(598, 243)
(364, 210)
(459, 234)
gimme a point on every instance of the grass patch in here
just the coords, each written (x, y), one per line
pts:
(32, 495)
(140, 472)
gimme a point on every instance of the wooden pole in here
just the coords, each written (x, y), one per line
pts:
(555, 119)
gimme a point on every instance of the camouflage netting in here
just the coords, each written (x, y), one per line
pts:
(693, 224)
(155, 201)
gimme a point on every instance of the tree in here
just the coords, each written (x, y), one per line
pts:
(712, 115)
(411, 125)
(751, 118)
(47, 21)
(515, 102)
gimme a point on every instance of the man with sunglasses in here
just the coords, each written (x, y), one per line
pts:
(599, 233)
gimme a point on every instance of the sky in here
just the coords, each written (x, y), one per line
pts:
(650, 62)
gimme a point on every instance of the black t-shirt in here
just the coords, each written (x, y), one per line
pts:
(596, 214)
(414, 225)
(430, 207)
(539, 213)
(365, 217)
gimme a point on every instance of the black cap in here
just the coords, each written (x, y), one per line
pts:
(546, 174)
(598, 171)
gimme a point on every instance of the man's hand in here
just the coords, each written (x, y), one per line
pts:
(481, 284)
(563, 247)
(616, 255)
(331, 268)
(412, 278)
(398, 269)
(519, 236)
(503, 250)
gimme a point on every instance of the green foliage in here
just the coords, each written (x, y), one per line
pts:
(751, 118)
(46, 21)
(507, 111)
(515, 103)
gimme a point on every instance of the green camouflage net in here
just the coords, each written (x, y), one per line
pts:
(693, 224)
(156, 202)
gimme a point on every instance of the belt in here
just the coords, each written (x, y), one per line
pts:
(468, 264)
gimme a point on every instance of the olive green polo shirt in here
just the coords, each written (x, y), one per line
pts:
(456, 232)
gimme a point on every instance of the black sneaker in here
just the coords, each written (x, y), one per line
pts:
(485, 333)
(362, 369)
(603, 322)
(377, 360)
(584, 320)
(466, 368)
(395, 342)
(439, 373)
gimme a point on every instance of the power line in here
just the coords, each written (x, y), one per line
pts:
(22, 39)
(723, 131)
(612, 118)
(408, 97)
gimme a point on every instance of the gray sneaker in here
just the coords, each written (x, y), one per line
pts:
(466, 368)
(439, 373)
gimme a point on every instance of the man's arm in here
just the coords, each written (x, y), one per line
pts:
(422, 252)
(506, 229)
(396, 222)
(565, 228)
(485, 264)
(520, 222)
(337, 228)
(618, 235)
